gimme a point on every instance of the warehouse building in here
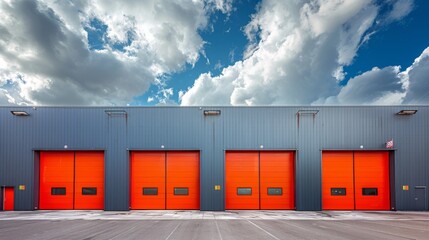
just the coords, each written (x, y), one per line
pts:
(215, 158)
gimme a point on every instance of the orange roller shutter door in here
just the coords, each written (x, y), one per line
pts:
(242, 180)
(372, 180)
(89, 180)
(147, 180)
(183, 180)
(56, 180)
(337, 181)
(277, 180)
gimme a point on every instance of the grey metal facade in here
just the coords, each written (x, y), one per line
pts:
(119, 130)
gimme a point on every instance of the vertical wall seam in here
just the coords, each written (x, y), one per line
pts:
(259, 177)
(321, 180)
(74, 179)
(165, 180)
(130, 177)
(38, 194)
(354, 181)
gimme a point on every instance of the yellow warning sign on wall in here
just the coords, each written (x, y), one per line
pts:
(217, 187)
(21, 187)
(405, 187)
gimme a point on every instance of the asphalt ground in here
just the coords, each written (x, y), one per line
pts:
(213, 225)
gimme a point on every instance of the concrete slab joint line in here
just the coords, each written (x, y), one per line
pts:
(217, 227)
(169, 235)
(265, 231)
(190, 225)
(122, 235)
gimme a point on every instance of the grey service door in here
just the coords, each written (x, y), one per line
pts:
(420, 198)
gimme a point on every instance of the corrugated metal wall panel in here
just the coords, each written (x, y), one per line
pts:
(411, 140)
(237, 128)
(117, 164)
(308, 168)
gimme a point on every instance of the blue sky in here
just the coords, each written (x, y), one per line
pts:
(395, 44)
(214, 52)
(225, 44)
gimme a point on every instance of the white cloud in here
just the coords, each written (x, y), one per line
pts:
(181, 92)
(326, 16)
(417, 80)
(9, 96)
(378, 86)
(297, 52)
(400, 9)
(225, 6)
(294, 49)
(231, 55)
(387, 86)
(6, 98)
(164, 30)
(339, 73)
(165, 95)
(209, 90)
(44, 50)
(218, 65)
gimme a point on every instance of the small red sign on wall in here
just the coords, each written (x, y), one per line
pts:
(389, 144)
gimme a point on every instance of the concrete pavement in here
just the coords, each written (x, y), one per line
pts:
(213, 225)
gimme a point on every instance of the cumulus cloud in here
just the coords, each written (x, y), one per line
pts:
(387, 86)
(209, 90)
(417, 81)
(377, 86)
(295, 48)
(296, 55)
(45, 53)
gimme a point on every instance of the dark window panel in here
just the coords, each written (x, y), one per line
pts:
(244, 191)
(338, 192)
